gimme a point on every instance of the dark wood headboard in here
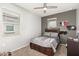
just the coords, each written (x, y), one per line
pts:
(52, 30)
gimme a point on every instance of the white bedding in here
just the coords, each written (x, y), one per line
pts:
(45, 42)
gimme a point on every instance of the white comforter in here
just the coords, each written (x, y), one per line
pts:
(46, 42)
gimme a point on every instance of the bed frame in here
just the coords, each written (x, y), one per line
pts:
(45, 50)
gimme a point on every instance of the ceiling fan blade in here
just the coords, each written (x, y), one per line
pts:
(39, 8)
(49, 7)
(45, 5)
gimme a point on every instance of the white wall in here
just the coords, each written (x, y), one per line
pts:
(77, 19)
(30, 27)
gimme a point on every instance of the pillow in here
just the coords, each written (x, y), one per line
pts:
(54, 34)
(46, 34)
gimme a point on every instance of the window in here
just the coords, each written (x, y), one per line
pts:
(9, 28)
(11, 22)
(52, 23)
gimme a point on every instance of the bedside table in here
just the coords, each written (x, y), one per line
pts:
(72, 47)
(63, 37)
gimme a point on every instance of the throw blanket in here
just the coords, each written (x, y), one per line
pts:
(53, 43)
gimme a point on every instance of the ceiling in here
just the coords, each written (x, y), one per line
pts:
(61, 7)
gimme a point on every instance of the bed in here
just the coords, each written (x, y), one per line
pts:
(46, 44)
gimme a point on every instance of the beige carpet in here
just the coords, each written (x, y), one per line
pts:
(26, 51)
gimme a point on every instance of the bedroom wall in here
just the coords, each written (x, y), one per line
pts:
(68, 15)
(77, 22)
(30, 27)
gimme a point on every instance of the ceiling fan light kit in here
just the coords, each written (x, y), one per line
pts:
(45, 7)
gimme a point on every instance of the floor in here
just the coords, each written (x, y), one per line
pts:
(61, 51)
(26, 51)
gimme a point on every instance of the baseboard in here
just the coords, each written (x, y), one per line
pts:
(63, 44)
(20, 47)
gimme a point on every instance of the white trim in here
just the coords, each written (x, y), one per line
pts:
(20, 47)
(52, 19)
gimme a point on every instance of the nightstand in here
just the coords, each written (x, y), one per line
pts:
(63, 37)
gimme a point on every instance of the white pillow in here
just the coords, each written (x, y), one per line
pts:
(54, 34)
(46, 34)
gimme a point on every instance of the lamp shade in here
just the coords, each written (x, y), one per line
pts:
(71, 27)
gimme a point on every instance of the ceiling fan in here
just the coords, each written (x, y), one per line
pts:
(45, 7)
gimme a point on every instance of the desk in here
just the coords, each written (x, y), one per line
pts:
(72, 48)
